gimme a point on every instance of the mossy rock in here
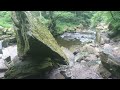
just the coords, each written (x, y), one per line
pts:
(111, 63)
(38, 51)
(34, 39)
(29, 67)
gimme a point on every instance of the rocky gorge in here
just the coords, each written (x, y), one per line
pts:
(34, 53)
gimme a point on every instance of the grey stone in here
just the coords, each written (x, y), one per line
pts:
(111, 63)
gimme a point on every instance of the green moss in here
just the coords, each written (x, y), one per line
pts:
(30, 31)
(28, 67)
(42, 33)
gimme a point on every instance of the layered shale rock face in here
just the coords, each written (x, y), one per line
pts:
(38, 51)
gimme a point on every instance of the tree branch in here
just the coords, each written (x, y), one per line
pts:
(112, 15)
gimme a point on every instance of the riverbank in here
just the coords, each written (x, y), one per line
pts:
(87, 62)
(84, 58)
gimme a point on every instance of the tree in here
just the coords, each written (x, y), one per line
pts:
(52, 24)
(114, 23)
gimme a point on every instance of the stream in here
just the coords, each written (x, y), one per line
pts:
(82, 65)
(76, 38)
(73, 42)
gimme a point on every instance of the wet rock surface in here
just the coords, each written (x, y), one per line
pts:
(83, 70)
(87, 60)
(88, 63)
(37, 49)
(111, 61)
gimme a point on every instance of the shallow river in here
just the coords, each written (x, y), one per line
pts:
(69, 40)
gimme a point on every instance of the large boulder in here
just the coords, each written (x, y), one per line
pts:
(35, 45)
(111, 61)
(104, 72)
(33, 38)
(29, 69)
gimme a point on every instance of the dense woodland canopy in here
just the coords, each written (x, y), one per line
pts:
(60, 21)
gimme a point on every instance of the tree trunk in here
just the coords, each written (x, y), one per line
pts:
(37, 48)
(52, 24)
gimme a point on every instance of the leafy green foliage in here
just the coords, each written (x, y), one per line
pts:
(100, 17)
(38, 15)
(5, 19)
(61, 20)
(64, 15)
(115, 23)
(64, 19)
(84, 17)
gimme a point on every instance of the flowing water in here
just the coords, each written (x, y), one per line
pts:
(70, 39)
(76, 70)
